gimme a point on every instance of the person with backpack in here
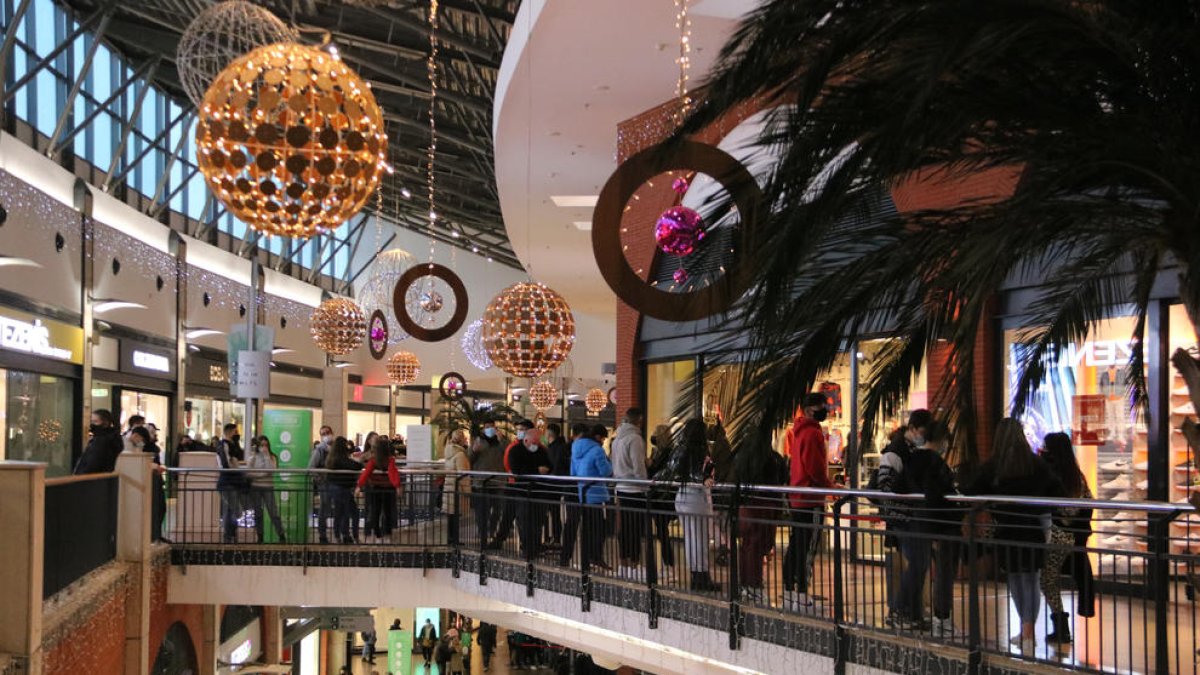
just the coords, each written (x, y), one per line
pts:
(381, 478)
(442, 654)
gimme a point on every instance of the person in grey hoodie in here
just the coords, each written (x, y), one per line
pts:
(629, 461)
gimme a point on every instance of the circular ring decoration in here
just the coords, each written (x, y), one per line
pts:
(453, 386)
(612, 395)
(606, 230)
(377, 335)
(400, 306)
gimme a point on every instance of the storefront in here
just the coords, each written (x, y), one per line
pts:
(141, 382)
(39, 386)
(209, 404)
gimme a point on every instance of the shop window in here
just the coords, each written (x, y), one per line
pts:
(665, 385)
(176, 655)
(38, 419)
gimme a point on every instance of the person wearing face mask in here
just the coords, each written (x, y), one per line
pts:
(141, 439)
(317, 460)
(808, 469)
(526, 459)
(232, 485)
(508, 512)
(486, 455)
(100, 456)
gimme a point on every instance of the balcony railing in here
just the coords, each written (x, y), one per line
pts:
(956, 574)
(81, 528)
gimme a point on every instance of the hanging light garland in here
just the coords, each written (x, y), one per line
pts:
(472, 345)
(684, 60)
(596, 401)
(543, 395)
(528, 329)
(338, 326)
(403, 368)
(291, 140)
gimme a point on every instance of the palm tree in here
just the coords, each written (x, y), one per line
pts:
(1088, 111)
(461, 413)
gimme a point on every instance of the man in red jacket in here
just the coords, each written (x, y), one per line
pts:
(809, 468)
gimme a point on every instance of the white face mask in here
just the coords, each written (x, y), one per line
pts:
(521, 435)
(490, 432)
(327, 438)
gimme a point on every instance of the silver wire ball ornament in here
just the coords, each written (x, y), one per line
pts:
(376, 294)
(472, 345)
(220, 34)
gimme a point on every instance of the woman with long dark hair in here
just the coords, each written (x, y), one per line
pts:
(1069, 532)
(691, 466)
(381, 479)
(341, 490)
(262, 463)
(1015, 470)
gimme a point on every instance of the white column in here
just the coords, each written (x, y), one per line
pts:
(133, 546)
(23, 503)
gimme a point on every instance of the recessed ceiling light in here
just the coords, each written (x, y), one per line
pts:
(196, 333)
(585, 225)
(103, 306)
(282, 350)
(574, 200)
(13, 261)
(342, 364)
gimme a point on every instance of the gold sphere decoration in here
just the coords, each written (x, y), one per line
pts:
(338, 326)
(49, 431)
(403, 368)
(528, 330)
(543, 395)
(596, 401)
(291, 140)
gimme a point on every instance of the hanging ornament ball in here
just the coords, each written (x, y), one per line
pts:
(680, 276)
(49, 431)
(403, 368)
(596, 401)
(220, 34)
(543, 395)
(679, 185)
(432, 302)
(291, 140)
(679, 230)
(387, 269)
(528, 329)
(472, 345)
(338, 326)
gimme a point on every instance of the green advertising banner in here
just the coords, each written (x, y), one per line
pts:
(290, 433)
(400, 646)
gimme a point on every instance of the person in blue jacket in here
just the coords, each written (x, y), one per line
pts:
(588, 461)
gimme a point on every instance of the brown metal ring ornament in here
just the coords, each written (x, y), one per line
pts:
(606, 230)
(612, 396)
(400, 294)
(452, 386)
(377, 335)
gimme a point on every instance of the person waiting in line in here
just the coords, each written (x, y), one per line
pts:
(381, 479)
(442, 654)
(486, 637)
(1015, 470)
(100, 455)
(512, 496)
(691, 466)
(662, 497)
(570, 532)
(757, 515)
(368, 652)
(525, 462)
(807, 469)
(340, 490)
(629, 462)
(261, 464)
(588, 461)
(456, 491)
(723, 472)
(140, 440)
(231, 483)
(559, 452)
(487, 456)
(317, 460)
(1069, 532)
(427, 639)
(132, 423)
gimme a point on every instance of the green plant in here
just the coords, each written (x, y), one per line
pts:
(1082, 113)
(462, 413)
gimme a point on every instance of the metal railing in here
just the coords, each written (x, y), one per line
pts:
(80, 532)
(961, 573)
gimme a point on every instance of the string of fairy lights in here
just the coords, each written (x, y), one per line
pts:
(684, 60)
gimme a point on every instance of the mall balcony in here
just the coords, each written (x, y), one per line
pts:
(699, 590)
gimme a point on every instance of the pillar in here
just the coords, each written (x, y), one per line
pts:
(22, 501)
(334, 395)
(210, 639)
(272, 631)
(133, 547)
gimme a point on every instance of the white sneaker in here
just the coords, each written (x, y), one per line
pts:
(1122, 496)
(1118, 483)
(1143, 484)
(1116, 465)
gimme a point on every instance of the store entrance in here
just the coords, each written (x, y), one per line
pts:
(125, 402)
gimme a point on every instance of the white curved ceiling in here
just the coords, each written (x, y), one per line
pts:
(571, 72)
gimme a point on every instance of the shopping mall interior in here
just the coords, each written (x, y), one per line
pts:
(624, 336)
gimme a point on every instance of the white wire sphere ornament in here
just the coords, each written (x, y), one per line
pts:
(376, 294)
(528, 329)
(472, 345)
(220, 34)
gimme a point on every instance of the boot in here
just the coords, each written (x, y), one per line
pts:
(702, 582)
(1061, 624)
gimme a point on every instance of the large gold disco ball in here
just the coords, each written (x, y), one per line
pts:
(528, 330)
(543, 395)
(291, 140)
(403, 368)
(596, 401)
(338, 326)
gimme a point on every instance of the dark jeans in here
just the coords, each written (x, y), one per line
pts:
(917, 551)
(945, 572)
(594, 532)
(664, 513)
(633, 526)
(381, 510)
(758, 535)
(345, 511)
(233, 503)
(802, 548)
(512, 496)
(570, 531)
(263, 499)
(531, 513)
(324, 508)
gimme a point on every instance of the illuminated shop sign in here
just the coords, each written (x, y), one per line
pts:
(31, 337)
(1100, 353)
(148, 361)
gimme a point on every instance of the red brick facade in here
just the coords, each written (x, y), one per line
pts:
(93, 643)
(164, 615)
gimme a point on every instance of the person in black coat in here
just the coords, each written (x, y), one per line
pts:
(1069, 533)
(560, 465)
(487, 643)
(106, 443)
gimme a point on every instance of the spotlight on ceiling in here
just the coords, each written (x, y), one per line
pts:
(108, 305)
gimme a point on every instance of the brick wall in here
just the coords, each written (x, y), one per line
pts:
(163, 615)
(88, 633)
